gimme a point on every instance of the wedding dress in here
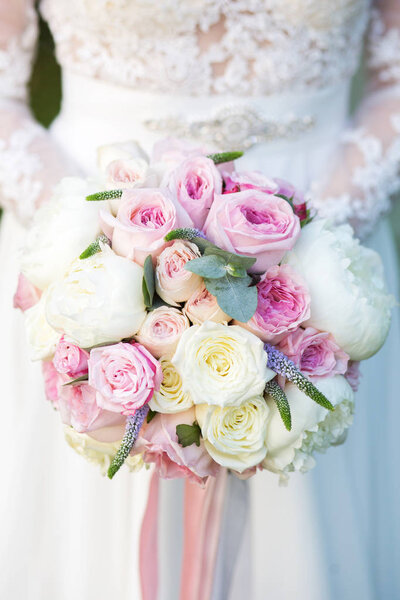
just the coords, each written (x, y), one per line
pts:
(272, 77)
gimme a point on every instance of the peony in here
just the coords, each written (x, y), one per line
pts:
(99, 300)
(26, 295)
(159, 444)
(144, 218)
(62, 228)
(170, 398)
(70, 360)
(173, 282)
(315, 353)
(347, 287)
(250, 180)
(162, 330)
(235, 435)
(313, 427)
(194, 183)
(221, 365)
(283, 303)
(254, 224)
(125, 377)
(203, 306)
(42, 337)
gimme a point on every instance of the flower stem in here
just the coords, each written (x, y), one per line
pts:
(133, 426)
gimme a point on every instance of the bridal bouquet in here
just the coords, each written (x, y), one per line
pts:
(196, 317)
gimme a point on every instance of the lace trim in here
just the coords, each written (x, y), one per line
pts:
(16, 60)
(384, 50)
(260, 47)
(20, 189)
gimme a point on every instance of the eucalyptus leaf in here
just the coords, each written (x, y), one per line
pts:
(78, 380)
(188, 434)
(234, 296)
(230, 257)
(236, 270)
(150, 415)
(210, 266)
(106, 195)
(224, 157)
(148, 284)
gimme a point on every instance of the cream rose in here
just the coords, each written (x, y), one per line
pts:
(173, 282)
(42, 338)
(221, 365)
(203, 306)
(235, 436)
(99, 300)
(61, 230)
(347, 287)
(162, 330)
(170, 398)
(313, 427)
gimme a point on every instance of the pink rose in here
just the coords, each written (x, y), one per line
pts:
(162, 330)
(51, 381)
(26, 295)
(159, 444)
(70, 360)
(195, 183)
(283, 303)
(203, 306)
(353, 375)
(124, 376)
(144, 218)
(250, 180)
(173, 282)
(79, 409)
(255, 224)
(315, 353)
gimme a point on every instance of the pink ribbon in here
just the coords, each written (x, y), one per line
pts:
(148, 545)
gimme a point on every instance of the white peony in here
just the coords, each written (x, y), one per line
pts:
(62, 228)
(313, 427)
(221, 365)
(42, 338)
(235, 436)
(347, 287)
(99, 300)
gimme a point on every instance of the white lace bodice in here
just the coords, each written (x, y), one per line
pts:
(199, 47)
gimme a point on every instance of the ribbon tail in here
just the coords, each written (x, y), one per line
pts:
(203, 511)
(148, 549)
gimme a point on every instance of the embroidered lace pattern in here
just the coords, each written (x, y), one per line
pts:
(245, 47)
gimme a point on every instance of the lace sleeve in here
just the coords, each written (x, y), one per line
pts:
(367, 170)
(29, 164)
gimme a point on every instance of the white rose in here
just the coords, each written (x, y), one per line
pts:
(235, 436)
(170, 398)
(120, 151)
(313, 427)
(42, 338)
(346, 283)
(62, 228)
(222, 365)
(99, 300)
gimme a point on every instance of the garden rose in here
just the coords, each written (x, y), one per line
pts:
(346, 283)
(315, 353)
(203, 306)
(173, 282)
(235, 436)
(42, 337)
(159, 444)
(249, 180)
(173, 151)
(125, 376)
(255, 224)
(99, 300)
(144, 218)
(283, 303)
(221, 365)
(170, 398)
(62, 228)
(194, 183)
(70, 360)
(162, 330)
(313, 427)
(26, 295)
(51, 381)
(121, 151)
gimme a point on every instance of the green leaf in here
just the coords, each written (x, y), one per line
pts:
(106, 195)
(150, 415)
(188, 434)
(210, 266)
(234, 296)
(278, 395)
(236, 270)
(230, 257)
(224, 157)
(307, 220)
(94, 247)
(78, 380)
(183, 233)
(148, 283)
(289, 200)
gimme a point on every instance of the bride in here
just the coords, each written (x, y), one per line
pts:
(272, 77)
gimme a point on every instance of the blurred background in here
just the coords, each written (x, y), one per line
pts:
(45, 93)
